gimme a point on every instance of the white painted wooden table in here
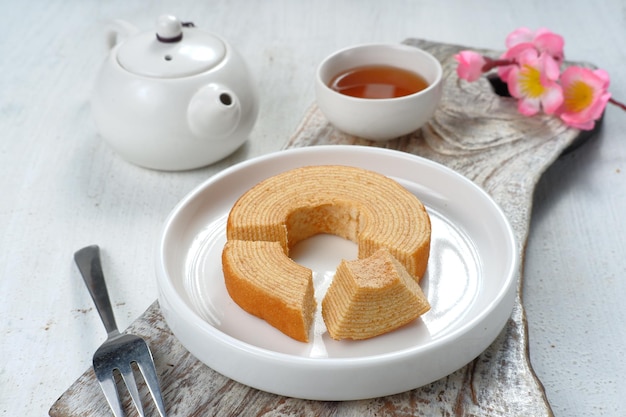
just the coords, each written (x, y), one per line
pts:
(62, 188)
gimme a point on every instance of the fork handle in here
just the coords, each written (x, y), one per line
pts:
(88, 261)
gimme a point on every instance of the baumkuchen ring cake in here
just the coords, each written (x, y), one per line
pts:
(374, 294)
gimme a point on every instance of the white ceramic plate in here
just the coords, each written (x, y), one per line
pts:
(470, 283)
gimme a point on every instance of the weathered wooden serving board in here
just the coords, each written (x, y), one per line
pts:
(475, 132)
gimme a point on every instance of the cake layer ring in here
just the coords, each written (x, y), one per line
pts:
(363, 206)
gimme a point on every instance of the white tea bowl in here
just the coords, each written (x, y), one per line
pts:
(379, 119)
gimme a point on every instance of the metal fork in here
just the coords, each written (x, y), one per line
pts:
(119, 351)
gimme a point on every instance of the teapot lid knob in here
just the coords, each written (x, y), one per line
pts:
(169, 29)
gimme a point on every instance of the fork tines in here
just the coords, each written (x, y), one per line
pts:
(137, 349)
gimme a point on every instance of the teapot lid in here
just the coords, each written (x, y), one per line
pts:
(173, 52)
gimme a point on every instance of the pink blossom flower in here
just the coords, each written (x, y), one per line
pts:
(543, 40)
(534, 82)
(470, 66)
(585, 96)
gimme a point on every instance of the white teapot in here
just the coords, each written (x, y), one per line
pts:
(175, 98)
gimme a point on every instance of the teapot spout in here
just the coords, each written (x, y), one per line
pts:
(214, 112)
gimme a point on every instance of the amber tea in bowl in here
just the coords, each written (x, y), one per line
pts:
(379, 91)
(378, 81)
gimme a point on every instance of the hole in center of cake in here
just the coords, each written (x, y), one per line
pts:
(323, 252)
(320, 237)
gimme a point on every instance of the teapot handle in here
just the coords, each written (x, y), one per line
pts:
(117, 31)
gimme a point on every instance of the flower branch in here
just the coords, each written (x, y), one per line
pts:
(531, 69)
(617, 103)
